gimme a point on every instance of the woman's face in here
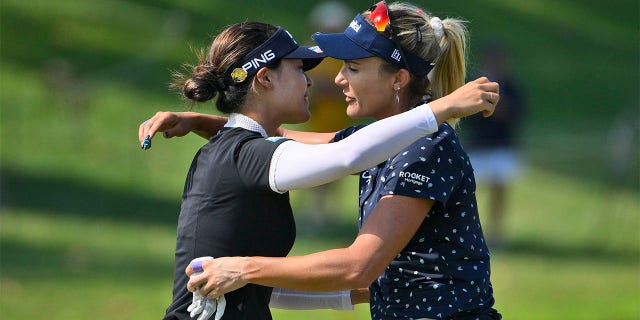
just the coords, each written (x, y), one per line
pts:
(292, 94)
(369, 91)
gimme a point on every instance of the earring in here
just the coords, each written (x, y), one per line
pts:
(397, 89)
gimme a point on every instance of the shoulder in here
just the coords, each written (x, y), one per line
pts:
(243, 141)
(436, 141)
(443, 145)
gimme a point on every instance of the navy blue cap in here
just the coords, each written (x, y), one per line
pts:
(280, 45)
(362, 40)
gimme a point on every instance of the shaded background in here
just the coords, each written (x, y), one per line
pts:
(87, 219)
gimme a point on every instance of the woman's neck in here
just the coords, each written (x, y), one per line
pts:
(397, 109)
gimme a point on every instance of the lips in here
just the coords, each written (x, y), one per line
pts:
(348, 98)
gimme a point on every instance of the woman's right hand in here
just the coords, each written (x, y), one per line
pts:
(172, 124)
(480, 95)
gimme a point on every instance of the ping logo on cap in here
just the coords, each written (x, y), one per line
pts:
(260, 60)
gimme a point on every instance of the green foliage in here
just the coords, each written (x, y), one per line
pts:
(87, 219)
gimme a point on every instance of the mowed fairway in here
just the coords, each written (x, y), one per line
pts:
(88, 219)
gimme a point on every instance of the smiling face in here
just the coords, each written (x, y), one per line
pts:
(368, 90)
(291, 95)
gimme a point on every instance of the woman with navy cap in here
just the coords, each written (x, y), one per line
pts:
(420, 249)
(235, 200)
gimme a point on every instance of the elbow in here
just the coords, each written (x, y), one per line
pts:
(363, 281)
(353, 162)
(361, 277)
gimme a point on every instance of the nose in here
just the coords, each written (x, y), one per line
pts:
(340, 80)
(309, 80)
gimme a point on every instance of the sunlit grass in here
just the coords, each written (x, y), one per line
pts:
(87, 219)
(552, 265)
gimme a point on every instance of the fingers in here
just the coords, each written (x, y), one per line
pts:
(195, 272)
(197, 305)
(209, 309)
(142, 131)
(491, 99)
(147, 130)
(222, 304)
(490, 94)
(196, 265)
(160, 121)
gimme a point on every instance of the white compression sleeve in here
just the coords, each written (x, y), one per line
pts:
(296, 165)
(302, 300)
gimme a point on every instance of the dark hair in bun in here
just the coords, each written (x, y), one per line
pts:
(209, 78)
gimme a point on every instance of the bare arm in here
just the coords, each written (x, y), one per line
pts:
(178, 124)
(307, 137)
(389, 228)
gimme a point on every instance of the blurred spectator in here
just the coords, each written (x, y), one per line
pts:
(493, 142)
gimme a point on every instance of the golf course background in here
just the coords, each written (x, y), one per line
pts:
(87, 219)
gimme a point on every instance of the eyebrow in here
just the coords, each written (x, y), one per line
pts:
(352, 61)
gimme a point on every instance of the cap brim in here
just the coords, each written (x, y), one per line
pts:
(339, 46)
(311, 56)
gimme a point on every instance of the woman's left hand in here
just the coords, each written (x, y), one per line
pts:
(218, 276)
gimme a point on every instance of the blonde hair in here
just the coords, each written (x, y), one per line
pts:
(446, 47)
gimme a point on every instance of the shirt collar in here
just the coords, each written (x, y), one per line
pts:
(238, 120)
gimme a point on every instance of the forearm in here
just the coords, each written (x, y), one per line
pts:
(297, 165)
(331, 270)
(206, 125)
(307, 137)
(381, 238)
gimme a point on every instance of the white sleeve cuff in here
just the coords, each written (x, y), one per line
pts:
(302, 300)
(432, 122)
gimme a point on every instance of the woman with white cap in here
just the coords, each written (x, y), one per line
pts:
(235, 200)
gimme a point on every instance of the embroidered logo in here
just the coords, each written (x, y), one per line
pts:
(396, 55)
(355, 25)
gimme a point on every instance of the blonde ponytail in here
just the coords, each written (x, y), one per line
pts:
(450, 71)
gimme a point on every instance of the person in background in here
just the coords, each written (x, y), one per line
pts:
(493, 143)
(420, 248)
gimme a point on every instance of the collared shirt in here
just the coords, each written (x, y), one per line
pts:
(444, 269)
(229, 209)
(239, 120)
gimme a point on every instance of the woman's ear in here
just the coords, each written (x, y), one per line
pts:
(401, 78)
(263, 78)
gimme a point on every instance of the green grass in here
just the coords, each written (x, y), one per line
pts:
(561, 259)
(87, 219)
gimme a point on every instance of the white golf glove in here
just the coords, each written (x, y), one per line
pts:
(203, 305)
(206, 307)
